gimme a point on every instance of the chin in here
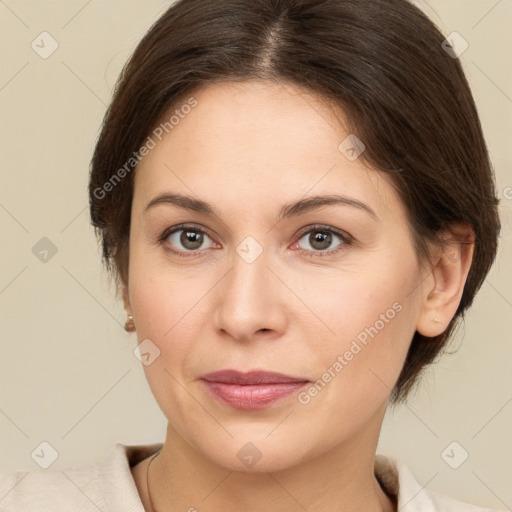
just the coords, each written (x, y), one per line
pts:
(259, 455)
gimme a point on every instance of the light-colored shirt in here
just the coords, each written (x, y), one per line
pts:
(108, 486)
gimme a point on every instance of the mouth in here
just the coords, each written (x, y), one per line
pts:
(252, 390)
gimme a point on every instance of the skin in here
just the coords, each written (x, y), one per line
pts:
(248, 149)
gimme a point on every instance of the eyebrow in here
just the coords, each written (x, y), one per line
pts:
(290, 210)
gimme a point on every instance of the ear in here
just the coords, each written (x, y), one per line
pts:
(443, 289)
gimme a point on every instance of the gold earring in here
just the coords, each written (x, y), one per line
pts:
(129, 326)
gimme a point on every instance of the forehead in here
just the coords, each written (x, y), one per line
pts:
(259, 143)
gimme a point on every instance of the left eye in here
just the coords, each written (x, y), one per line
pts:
(321, 239)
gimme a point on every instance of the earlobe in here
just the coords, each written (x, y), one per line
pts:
(450, 269)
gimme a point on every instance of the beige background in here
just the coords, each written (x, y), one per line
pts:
(68, 375)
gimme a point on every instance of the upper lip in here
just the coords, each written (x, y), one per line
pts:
(251, 377)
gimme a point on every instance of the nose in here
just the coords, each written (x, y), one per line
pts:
(251, 301)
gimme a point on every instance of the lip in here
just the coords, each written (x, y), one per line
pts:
(251, 377)
(251, 390)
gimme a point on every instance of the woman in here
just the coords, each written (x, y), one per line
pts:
(296, 201)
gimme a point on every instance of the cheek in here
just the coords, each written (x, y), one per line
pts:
(354, 371)
(163, 298)
(164, 312)
(168, 307)
(370, 320)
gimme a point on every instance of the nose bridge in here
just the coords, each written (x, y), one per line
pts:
(248, 300)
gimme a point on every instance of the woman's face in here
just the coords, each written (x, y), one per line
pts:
(327, 294)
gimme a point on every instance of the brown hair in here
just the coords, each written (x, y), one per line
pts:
(381, 61)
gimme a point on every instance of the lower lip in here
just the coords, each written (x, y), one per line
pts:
(252, 396)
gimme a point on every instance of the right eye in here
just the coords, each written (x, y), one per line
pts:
(191, 238)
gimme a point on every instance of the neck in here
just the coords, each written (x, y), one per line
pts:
(182, 478)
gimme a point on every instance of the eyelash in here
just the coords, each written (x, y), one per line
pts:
(345, 238)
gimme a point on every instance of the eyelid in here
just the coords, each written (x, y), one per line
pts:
(322, 227)
(179, 227)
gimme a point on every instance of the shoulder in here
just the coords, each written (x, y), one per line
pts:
(398, 480)
(39, 490)
(105, 485)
